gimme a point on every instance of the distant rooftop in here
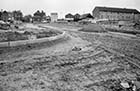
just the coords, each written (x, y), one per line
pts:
(121, 10)
(54, 13)
(87, 15)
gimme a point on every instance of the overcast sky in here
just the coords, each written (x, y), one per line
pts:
(64, 6)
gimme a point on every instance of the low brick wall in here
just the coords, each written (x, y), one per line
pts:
(4, 44)
(25, 42)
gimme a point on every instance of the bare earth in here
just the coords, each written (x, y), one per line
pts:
(105, 58)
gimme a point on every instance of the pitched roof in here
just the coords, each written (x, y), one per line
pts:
(121, 10)
(69, 15)
(54, 13)
(88, 15)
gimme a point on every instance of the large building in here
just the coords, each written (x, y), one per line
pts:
(54, 17)
(115, 13)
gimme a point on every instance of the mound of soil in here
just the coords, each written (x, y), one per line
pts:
(93, 28)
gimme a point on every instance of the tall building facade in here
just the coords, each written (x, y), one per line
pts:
(54, 17)
(111, 13)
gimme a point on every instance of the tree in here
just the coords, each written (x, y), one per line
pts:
(27, 18)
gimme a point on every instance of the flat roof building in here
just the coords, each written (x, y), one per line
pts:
(54, 17)
(112, 13)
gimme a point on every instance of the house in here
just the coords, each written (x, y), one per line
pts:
(69, 17)
(39, 16)
(10, 16)
(86, 16)
(5, 16)
(112, 13)
(76, 17)
(54, 17)
(17, 15)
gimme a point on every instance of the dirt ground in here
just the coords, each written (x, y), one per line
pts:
(104, 60)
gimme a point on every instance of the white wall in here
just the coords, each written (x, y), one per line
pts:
(54, 18)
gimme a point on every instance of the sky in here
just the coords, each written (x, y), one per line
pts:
(63, 7)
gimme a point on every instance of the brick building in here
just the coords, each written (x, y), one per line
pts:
(111, 13)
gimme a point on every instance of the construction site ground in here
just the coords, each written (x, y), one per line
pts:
(103, 61)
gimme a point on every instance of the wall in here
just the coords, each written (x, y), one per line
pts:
(25, 42)
(95, 13)
(54, 18)
(137, 17)
(116, 16)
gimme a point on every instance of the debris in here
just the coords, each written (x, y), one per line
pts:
(76, 49)
(4, 25)
(17, 27)
(134, 88)
(137, 84)
(125, 84)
